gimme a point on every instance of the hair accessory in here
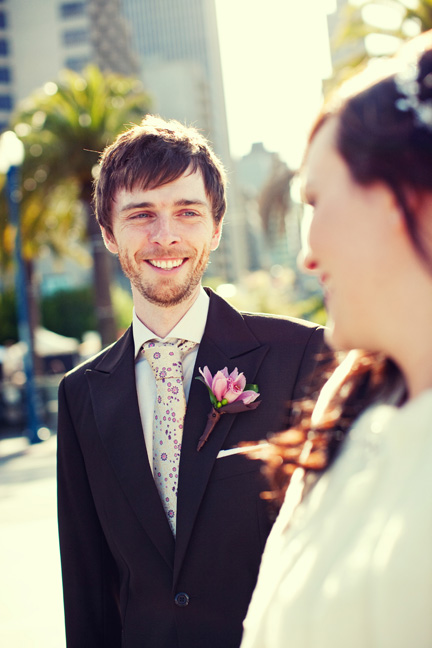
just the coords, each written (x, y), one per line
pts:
(408, 85)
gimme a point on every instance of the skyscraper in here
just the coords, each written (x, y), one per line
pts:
(178, 50)
(177, 46)
(173, 46)
(39, 38)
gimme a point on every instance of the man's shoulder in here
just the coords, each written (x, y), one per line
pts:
(281, 326)
(266, 320)
(275, 330)
(270, 319)
(100, 359)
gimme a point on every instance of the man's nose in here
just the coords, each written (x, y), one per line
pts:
(164, 231)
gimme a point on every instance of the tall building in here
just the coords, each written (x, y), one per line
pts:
(173, 46)
(39, 38)
(177, 46)
(264, 180)
(178, 49)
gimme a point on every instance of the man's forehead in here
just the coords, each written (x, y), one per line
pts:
(187, 188)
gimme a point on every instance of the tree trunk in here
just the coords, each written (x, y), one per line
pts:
(102, 275)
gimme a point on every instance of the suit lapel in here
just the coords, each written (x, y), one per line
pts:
(227, 342)
(113, 393)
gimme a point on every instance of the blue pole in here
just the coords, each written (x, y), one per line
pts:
(35, 431)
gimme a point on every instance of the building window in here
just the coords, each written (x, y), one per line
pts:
(4, 49)
(5, 102)
(75, 37)
(5, 75)
(76, 63)
(70, 9)
(2, 20)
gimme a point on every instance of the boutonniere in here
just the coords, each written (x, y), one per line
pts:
(229, 394)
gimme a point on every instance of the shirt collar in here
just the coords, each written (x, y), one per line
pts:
(191, 326)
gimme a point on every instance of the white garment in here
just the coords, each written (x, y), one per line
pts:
(352, 566)
(191, 327)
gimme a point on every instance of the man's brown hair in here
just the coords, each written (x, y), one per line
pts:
(152, 154)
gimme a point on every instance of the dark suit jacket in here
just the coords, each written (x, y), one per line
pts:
(122, 569)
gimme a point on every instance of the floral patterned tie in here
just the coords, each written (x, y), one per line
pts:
(165, 359)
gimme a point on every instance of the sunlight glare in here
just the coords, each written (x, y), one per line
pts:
(381, 44)
(273, 69)
(383, 17)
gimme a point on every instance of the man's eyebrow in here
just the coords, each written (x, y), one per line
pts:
(137, 205)
(183, 202)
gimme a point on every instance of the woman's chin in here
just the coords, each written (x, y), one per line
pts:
(334, 339)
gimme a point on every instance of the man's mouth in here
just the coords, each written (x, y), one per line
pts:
(166, 264)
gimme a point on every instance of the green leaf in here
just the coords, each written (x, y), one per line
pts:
(212, 396)
(251, 388)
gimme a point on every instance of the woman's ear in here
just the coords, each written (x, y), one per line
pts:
(391, 207)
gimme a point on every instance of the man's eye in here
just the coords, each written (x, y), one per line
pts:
(140, 215)
(189, 213)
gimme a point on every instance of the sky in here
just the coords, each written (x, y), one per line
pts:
(274, 54)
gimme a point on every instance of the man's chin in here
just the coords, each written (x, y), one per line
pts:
(167, 298)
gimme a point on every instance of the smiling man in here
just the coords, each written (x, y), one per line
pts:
(163, 237)
(161, 541)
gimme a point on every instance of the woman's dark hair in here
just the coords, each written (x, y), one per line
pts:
(384, 134)
(314, 447)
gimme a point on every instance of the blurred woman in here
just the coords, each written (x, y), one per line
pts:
(349, 560)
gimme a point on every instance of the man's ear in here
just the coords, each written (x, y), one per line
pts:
(109, 240)
(216, 236)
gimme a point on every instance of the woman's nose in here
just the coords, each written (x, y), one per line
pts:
(306, 262)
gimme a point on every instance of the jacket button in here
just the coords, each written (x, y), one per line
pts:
(181, 599)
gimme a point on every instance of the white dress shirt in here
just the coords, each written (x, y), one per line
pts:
(191, 327)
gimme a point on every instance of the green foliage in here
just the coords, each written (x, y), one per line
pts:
(360, 19)
(122, 304)
(260, 292)
(64, 127)
(69, 312)
(72, 312)
(311, 309)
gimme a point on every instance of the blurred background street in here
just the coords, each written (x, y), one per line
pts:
(251, 76)
(31, 609)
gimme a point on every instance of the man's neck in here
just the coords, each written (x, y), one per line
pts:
(162, 319)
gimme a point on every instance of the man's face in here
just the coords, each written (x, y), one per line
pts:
(163, 238)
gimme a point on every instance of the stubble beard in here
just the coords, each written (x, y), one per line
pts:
(164, 292)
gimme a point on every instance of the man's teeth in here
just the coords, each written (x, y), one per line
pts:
(166, 265)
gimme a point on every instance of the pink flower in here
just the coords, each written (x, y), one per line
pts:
(228, 387)
(229, 394)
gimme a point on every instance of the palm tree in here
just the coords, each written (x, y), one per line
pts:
(274, 201)
(361, 22)
(64, 127)
(52, 222)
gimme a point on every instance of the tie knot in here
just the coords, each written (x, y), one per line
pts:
(165, 358)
